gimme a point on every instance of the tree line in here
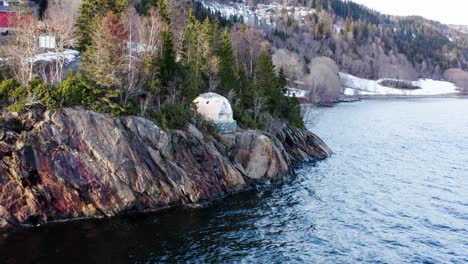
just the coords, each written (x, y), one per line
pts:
(151, 58)
(366, 43)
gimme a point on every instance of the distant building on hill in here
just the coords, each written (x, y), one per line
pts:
(216, 108)
(8, 13)
(47, 42)
(9, 2)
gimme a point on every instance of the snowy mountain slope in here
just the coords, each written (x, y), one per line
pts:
(261, 14)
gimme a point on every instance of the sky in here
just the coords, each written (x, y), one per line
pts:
(445, 11)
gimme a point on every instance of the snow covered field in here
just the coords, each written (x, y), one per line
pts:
(355, 86)
(68, 55)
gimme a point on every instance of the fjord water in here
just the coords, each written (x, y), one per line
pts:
(394, 191)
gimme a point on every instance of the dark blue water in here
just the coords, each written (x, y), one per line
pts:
(395, 191)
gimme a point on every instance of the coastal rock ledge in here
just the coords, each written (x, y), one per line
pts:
(77, 163)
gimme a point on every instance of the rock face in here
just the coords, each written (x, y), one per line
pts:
(77, 163)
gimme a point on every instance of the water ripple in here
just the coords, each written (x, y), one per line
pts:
(395, 191)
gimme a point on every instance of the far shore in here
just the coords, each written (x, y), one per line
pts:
(350, 99)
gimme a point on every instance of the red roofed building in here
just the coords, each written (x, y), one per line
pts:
(8, 11)
(6, 21)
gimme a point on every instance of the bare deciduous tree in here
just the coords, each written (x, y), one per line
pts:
(60, 25)
(213, 75)
(290, 62)
(323, 82)
(313, 95)
(131, 84)
(25, 45)
(459, 77)
(174, 90)
(143, 43)
(150, 32)
(232, 97)
(259, 105)
(248, 44)
(307, 113)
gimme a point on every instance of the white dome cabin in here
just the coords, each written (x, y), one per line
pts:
(216, 108)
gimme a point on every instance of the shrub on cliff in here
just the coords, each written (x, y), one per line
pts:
(45, 94)
(6, 89)
(172, 116)
(293, 113)
(207, 127)
(78, 90)
(243, 119)
(5, 72)
(18, 97)
(14, 95)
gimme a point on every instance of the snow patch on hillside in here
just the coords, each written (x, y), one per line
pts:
(298, 93)
(261, 13)
(68, 55)
(355, 86)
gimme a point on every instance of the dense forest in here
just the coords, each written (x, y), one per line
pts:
(362, 41)
(153, 57)
(149, 58)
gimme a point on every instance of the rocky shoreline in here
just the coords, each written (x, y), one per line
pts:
(77, 163)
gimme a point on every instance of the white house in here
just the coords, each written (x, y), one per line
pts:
(47, 42)
(216, 108)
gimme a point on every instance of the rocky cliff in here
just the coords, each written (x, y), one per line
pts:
(77, 163)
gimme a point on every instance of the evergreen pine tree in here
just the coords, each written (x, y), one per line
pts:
(293, 114)
(282, 82)
(207, 37)
(166, 62)
(103, 58)
(290, 106)
(246, 90)
(190, 45)
(206, 44)
(227, 71)
(193, 58)
(87, 22)
(266, 82)
(118, 6)
(164, 11)
(91, 13)
(102, 61)
(217, 31)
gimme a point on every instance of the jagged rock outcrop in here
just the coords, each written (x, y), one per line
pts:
(77, 163)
